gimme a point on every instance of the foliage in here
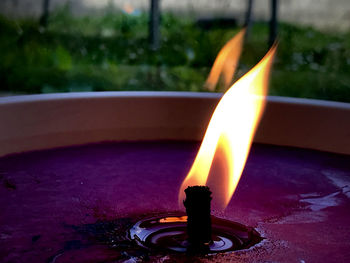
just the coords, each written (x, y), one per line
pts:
(110, 52)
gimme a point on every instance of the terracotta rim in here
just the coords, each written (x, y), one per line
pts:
(34, 122)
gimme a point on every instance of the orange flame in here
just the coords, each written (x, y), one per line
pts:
(224, 150)
(226, 62)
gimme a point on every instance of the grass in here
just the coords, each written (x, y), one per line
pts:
(110, 52)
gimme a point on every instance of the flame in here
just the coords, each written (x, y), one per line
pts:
(226, 62)
(224, 150)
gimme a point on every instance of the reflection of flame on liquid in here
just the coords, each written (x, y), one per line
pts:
(224, 150)
(173, 219)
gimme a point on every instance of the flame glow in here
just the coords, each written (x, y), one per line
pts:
(128, 8)
(226, 62)
(224, 150)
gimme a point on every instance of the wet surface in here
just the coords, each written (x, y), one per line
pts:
(168, 233)
(75, 204)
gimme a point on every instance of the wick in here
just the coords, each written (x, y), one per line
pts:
(197, 205)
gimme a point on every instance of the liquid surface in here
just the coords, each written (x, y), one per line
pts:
(169, 233)
(73, 204)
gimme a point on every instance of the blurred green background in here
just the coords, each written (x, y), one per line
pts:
(111, 52)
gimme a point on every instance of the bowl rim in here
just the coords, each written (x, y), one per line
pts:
(43, 121)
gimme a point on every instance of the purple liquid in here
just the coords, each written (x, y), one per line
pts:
(298, 199)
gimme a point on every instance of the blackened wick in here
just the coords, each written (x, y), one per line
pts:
(197, 205)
